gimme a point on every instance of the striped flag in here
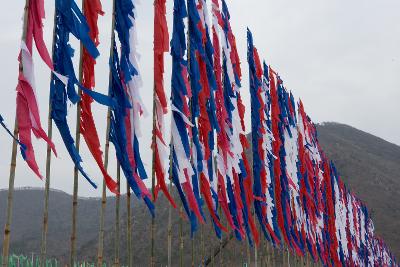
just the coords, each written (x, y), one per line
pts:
(181, 126)
(237, 166)
(203, 86)
(70, 20)
(311, 184)
(223, 146)
(159, 145)
(124, 90)
(271, 212)
(224, 135)
(27, 111)
(258, 131)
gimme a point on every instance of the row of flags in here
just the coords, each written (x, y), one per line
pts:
(310, 210)
(291, 188)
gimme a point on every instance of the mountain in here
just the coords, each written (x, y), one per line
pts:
(369, 165)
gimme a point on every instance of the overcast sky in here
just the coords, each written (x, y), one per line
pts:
(342, 58)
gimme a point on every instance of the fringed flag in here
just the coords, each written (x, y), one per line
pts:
(236, 167)
(330, 230)
(28, 117)
(287, 123)
(22, 146)
(315, 211)
(311, 185)
(92, 10)
(290, 169)
(223, 116)
(159, 145)
(259, 140)
(338, 226)
(341, 220)
(282, 203)
(181, 126)
(203, 85)
(271, 213)
(124, 90)
(69, 19)
(223, 146)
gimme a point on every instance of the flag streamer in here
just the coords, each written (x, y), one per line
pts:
(92, 10)
(124, 90)
(70, 20)
(28, 117)
(203, 84)
(181, 127)
(161, 46)
(22, 146)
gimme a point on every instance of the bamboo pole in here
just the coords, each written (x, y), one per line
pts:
(7, 228)
(43, 247)
(255, 256)
(248, 254)
(153, 178)
(129, 225)
(181, 236)
(76, 171)
(117, 222)
(211, 250)
(273, 260)
(221, 245)
(202, 243)
(218, 250)
(13, 165)
(192, 240)
(100, 250)
(170, 210)
(103, 197)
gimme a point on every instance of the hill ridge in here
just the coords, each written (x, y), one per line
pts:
(369, 165)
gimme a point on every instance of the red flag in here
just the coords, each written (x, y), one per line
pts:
(28, 117)
(92, 10)
(159, 146)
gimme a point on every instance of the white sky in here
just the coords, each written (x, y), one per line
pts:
(342, 58)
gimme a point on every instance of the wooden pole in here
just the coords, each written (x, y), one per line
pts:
(218, 250)
(43, 247)
(117, 222)
(181, 236)
(221, 245)
(100, 249)
(273, 260)
(7, 227)
(211, 250)
(46, 194)
(248, 254)
(103, 197)
(129, 225)
(76, 171)
(153, 178)
(192, 240)
(202, 243)
(255, 256)
(170, 210)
